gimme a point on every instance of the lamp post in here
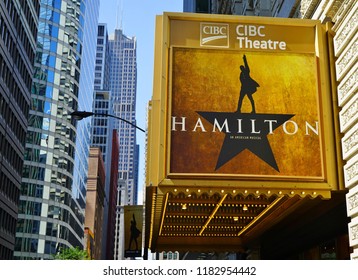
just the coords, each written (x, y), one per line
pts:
(79, 115)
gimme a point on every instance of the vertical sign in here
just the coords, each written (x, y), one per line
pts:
(133, 230)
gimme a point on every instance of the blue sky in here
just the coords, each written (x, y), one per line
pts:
(137, 18)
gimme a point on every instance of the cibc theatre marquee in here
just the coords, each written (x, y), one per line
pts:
(242, 116)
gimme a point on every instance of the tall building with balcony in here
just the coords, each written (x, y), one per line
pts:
(52, 200)
(18, 31)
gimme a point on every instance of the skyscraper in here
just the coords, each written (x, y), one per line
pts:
(123, 86)
(18, 31)
(103, 135)
(52, 201)
(101, 81)
(115, 94)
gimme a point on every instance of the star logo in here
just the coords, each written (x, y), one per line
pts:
(246, 131)
(251, 128)
(247, 115)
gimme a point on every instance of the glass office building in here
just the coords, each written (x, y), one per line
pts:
(52, 200)
(101, 81)
(123, 86)
(102, 136)
(18, 29)
(102, 126)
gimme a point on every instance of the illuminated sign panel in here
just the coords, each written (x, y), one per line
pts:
(244, 113)
(246, 98)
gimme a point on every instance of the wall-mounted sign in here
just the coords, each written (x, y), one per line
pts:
(133, 230)
(236, 112)
(245, 98)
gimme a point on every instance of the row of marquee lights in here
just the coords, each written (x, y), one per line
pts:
(215, 227)
(184, 206)
(246, 192)
(204, 217)
(206, 230)
(205, 234)
(239, 222)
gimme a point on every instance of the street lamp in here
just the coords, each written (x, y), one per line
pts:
(79, 115)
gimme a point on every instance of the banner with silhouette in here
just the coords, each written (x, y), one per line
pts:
(245, 113)
(133, 230)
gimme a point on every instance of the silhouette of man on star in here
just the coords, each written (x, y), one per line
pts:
(248, 86)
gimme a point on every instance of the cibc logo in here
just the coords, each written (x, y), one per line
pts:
(214, 35)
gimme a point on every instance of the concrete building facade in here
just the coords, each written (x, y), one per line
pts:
(95, 201)
(344, 16)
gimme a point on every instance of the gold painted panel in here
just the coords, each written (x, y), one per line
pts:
(208, 80)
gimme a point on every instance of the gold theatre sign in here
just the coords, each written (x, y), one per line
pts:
(242, 103)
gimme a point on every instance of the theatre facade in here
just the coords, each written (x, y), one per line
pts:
(243, 148)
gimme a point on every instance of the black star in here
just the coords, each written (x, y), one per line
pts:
(245, 131)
